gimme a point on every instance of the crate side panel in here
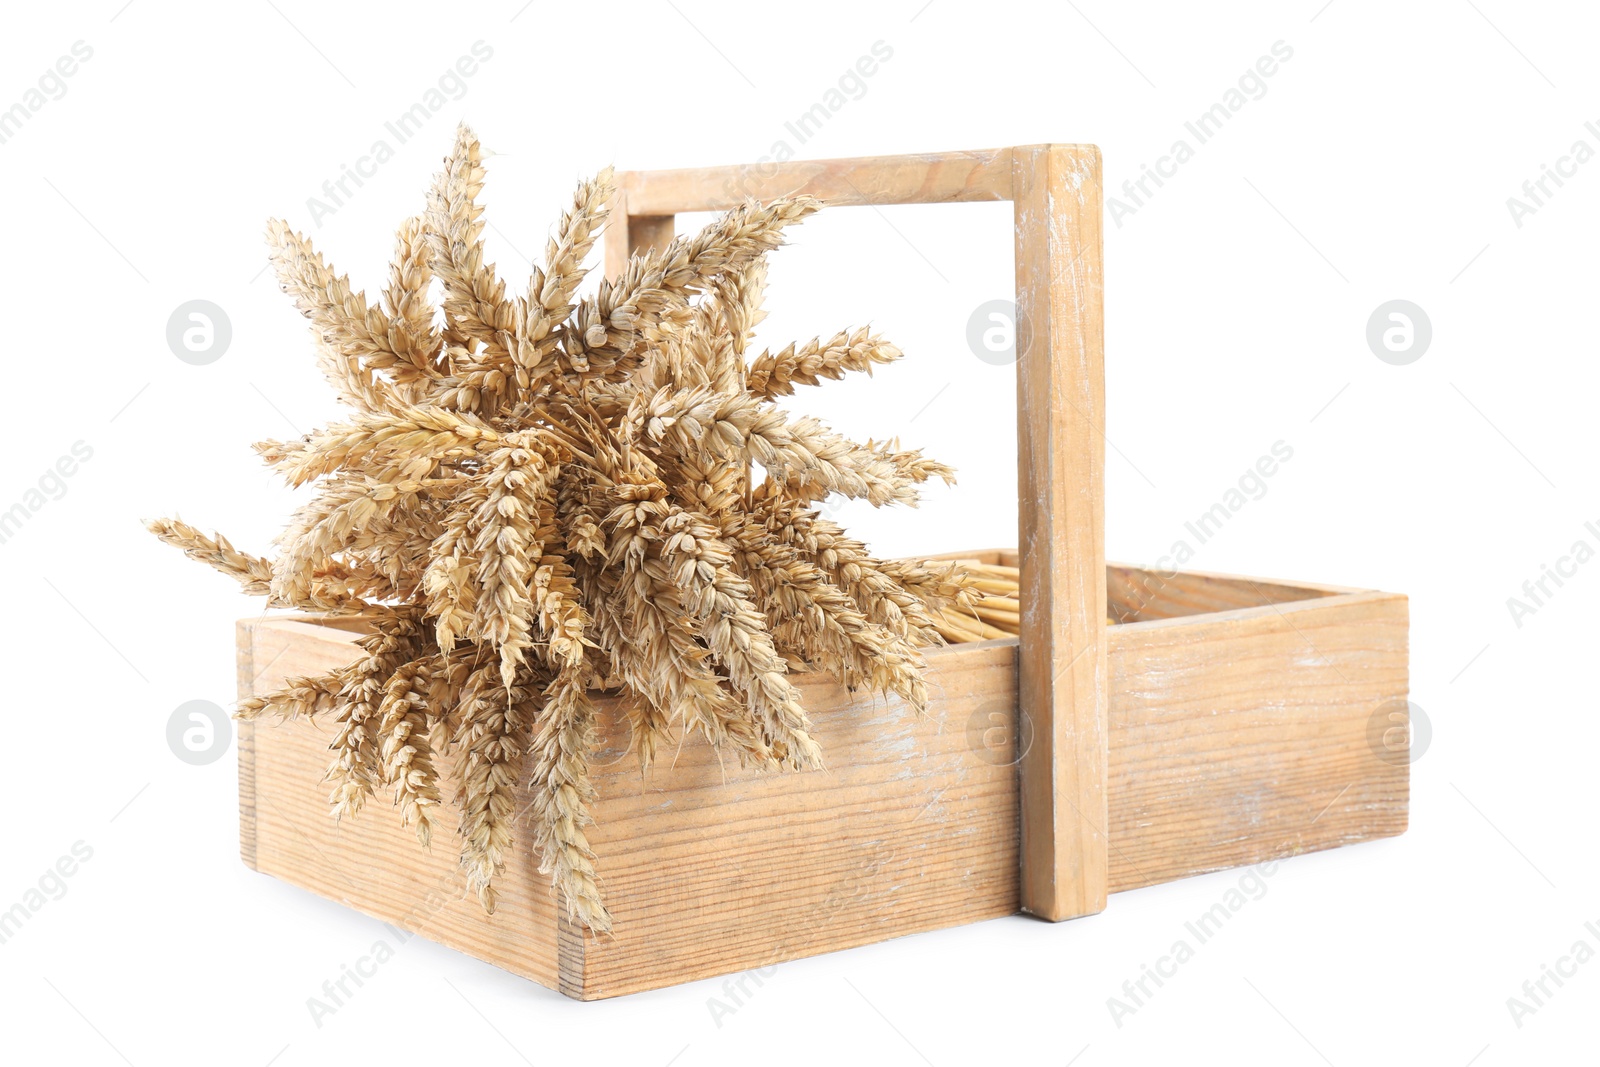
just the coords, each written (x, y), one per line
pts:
(245, 673)
(712, 869)
(371, 862)
(1139, 594)
(1245, 737)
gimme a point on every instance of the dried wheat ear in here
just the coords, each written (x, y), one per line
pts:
(538, 496)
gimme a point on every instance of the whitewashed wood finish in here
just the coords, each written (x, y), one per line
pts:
(1216, 721)
(1233, 737)
(1060, 447)
(1061, 524)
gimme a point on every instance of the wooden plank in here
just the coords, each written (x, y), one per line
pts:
(711, 869)
(980, 555)
(626, 234)
(1242, 736)
(1233, 738)
(1061, 451)
(371, 862)
(244, 684)
(1061, 525)
(924, 178)
(1139, 594)
(707, 868)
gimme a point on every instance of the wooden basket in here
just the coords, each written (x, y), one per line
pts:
(1217, 721)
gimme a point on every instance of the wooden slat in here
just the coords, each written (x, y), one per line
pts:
(1060, 383)
(627, 234)
(1233, 738)
(245, 678)
(1242, 736)
(707, 868)
(712, 869)
(1139, 594)
(1061, 525)
(925, 178)
(370, 862)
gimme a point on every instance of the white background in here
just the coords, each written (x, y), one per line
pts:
(1377, 166)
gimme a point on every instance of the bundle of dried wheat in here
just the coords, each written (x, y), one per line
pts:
(540, 495)
(992, 607)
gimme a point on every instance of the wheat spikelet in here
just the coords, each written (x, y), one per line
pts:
(353, 339)
(551, 290)
(516, 480)
(254, 573)
(540, 498)
(774, 375)
(405, 748)
(474, 295)
(491, 733)
(413, 337)
(355, 772)
(562, 794)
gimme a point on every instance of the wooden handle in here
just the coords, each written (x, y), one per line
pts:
(1062, 674)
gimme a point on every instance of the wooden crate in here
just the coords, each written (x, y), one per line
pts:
(1216, 721)
(1238, 732)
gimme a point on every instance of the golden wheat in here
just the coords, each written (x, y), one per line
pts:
(539, 496)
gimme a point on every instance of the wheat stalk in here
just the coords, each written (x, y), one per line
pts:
(540, 497)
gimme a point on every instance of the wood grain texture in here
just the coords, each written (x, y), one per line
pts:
(1234, 737)
(1221, 721)
(1140, 594)
(707, 868)
(245, 679)
(710, 869)
(626, 234)
(1061, 451)
(923, 178)
(1063, 690)
(370, 862)
(1243, 735)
